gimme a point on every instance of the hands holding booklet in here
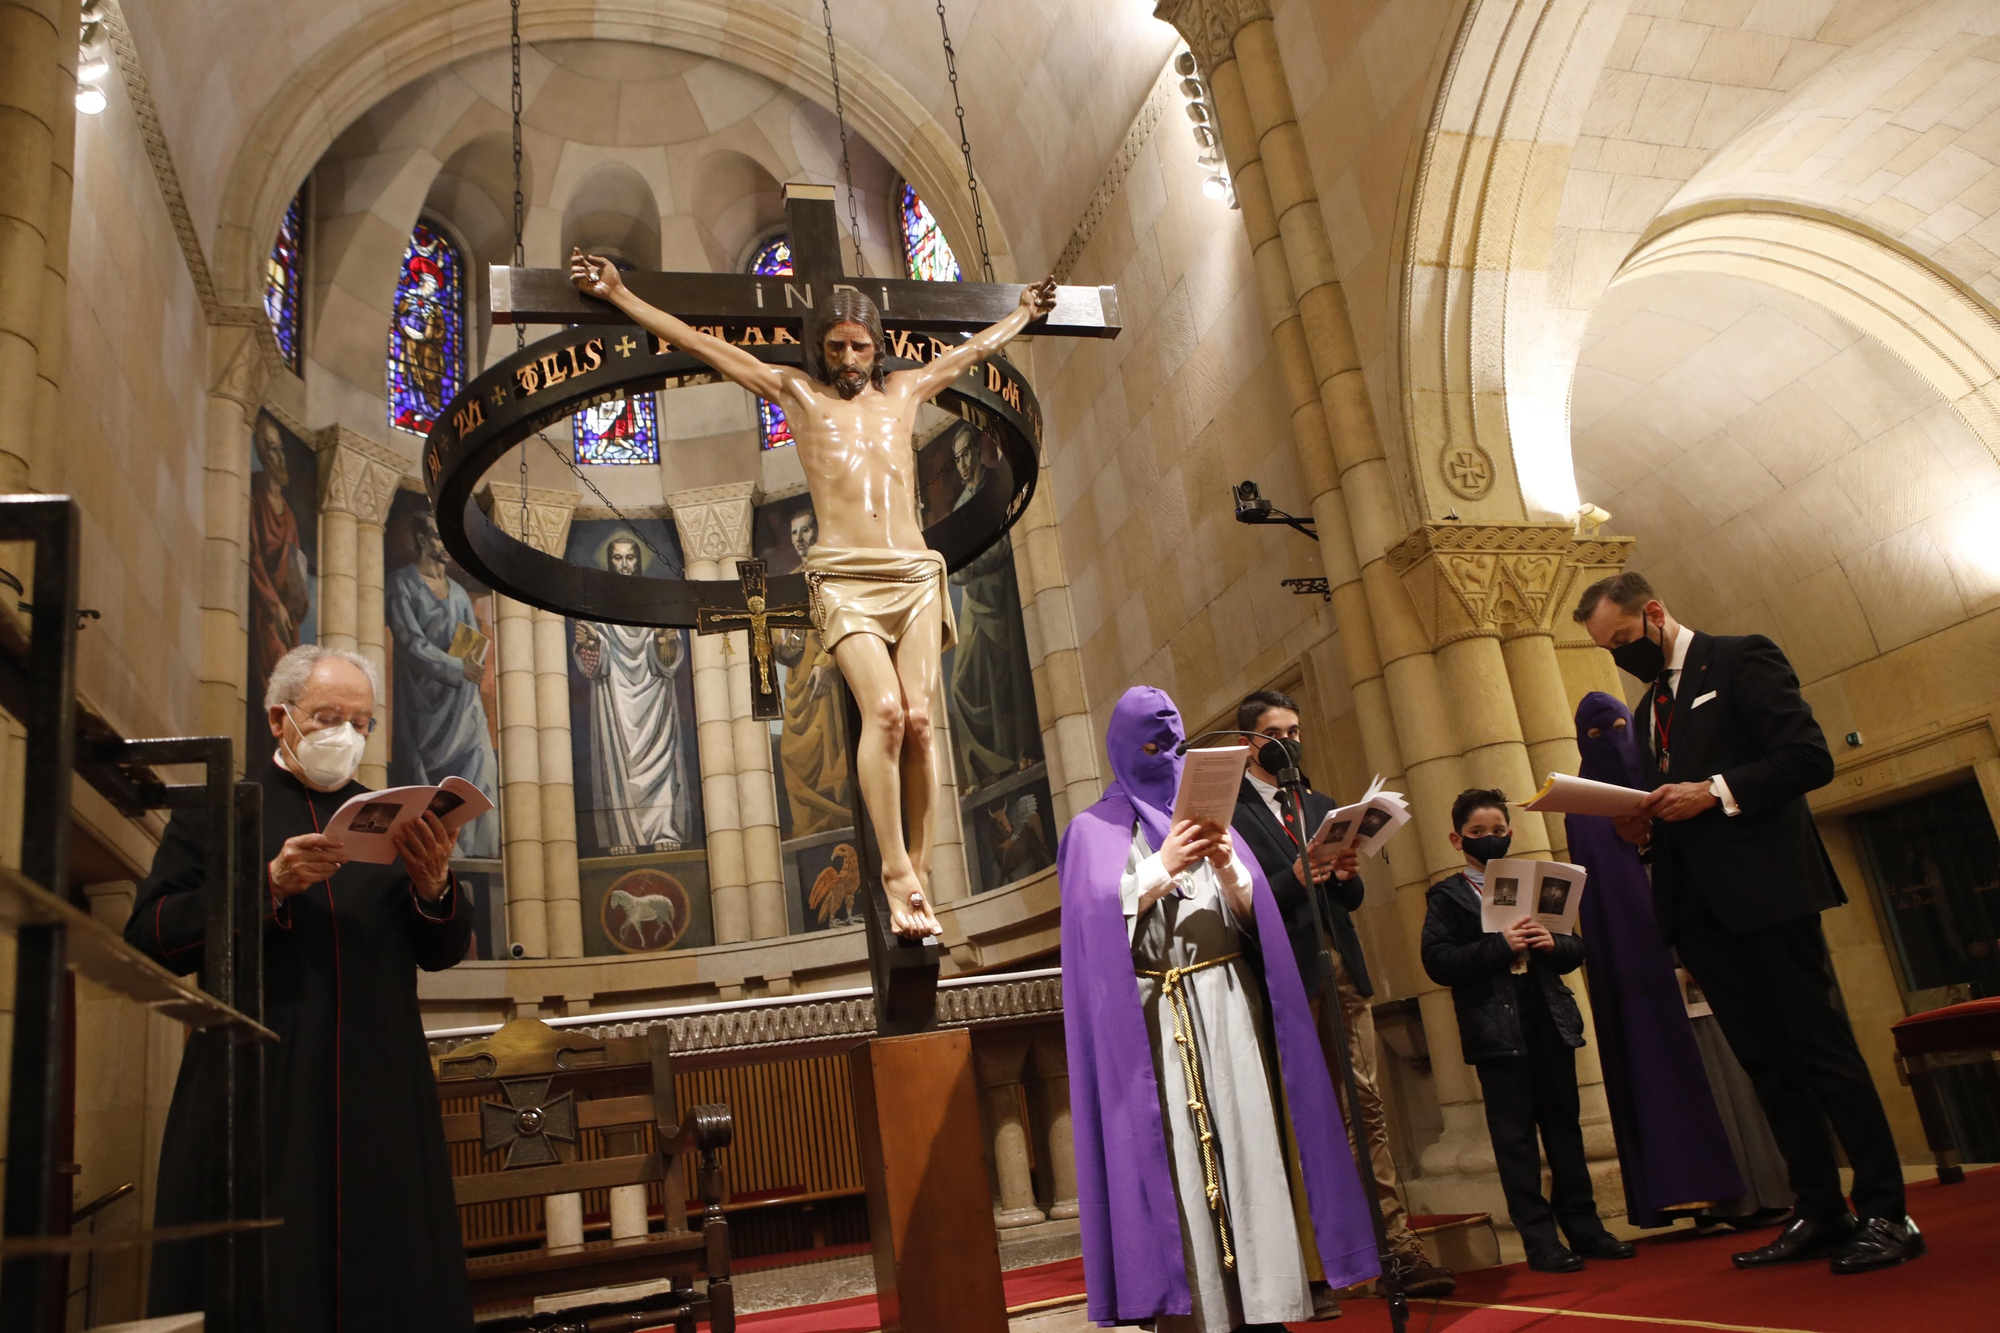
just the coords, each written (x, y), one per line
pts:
(1365, 825)
(1545, 891)
(367, 826)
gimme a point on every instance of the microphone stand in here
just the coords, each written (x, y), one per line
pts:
(1291, 789)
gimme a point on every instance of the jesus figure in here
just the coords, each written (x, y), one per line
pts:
(878, 592)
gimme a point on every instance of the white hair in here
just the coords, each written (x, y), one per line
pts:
(289, 676)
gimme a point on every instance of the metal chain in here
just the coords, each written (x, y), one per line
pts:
(964, 144)
(520, 218)
(520, 330)
(840, 118)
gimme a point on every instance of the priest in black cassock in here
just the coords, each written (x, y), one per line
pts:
(355, 1156)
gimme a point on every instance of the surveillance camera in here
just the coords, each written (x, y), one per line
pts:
(519, 950)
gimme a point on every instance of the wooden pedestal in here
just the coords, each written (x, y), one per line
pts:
(930, 1209)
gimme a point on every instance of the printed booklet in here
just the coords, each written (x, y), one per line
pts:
(366, 826)
(1365, 825)
(1548, 891)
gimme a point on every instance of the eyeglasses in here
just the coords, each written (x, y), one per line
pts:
(333, 717)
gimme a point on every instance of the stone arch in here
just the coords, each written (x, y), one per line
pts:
(1922, 314)
(349, 75)
(737, 200)
(613, 210)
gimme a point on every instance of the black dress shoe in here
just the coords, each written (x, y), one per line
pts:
(1423, 1279)
(1802, 1239)
(1555, 1260)
(1880, 1243)
(1604, 1245)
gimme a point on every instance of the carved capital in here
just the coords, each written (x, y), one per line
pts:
(357, 476)
(1210, 26)
(1503, 579)
(714, 521)
(239, 368)
(548, 514)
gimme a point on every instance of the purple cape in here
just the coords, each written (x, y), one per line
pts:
(1672, 1148)
(1132, 1257)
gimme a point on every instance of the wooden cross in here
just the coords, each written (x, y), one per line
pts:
(546, 295)
(760, 619)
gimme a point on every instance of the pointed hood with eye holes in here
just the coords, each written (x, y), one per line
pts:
(1132, 1258)
(1608, 741)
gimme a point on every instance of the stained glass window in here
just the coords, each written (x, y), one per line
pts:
(925, 250)
(283, 274)
(621, 430)
(773, 257)
(427, 333)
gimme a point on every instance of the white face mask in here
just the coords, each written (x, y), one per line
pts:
(328, 757)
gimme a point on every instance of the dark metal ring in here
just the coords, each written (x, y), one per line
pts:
(578, 367)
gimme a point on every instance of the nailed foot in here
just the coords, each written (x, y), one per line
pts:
(909, 911)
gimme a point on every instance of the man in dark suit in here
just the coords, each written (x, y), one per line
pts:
(1338, 878)
(1739, 881)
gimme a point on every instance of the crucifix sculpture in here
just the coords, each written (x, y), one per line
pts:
(759, 618)
(878, 595)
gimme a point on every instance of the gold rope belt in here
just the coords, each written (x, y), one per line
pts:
(1211, 1178)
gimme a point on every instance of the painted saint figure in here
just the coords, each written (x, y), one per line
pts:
(995, 728)
(878, 593)
(280, 586)
(438, 719)
(813, 746)
(637, 781)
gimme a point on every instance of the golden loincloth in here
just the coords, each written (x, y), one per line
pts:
(874, 590)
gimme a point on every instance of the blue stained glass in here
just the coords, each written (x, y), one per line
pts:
(282, 278)
(622, 430)
(426, 334)
(925, 251)
(773, 257)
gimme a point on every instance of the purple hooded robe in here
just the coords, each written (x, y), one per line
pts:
(1132, 1258)
(1672, 1148)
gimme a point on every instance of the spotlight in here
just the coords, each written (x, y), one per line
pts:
(89, 101)
(1184, 63)
(93, 71)
(1192, 89)
(1214, 187)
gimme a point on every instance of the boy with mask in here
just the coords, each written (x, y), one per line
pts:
(1519, 1026)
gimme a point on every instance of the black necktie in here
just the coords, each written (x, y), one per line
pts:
(1663, 716)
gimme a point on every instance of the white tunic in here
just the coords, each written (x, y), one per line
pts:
(637, 773)
(1189, 925)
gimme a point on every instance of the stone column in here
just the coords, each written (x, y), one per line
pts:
(236, 388)
(357, 482)
(1069, 738)
(1049, 1058)
(756, 790)
(951, 875)
(999, 1065)
(37, 77)
(714, 523)
(520, 780)
(1407, 731)
(534, 712)
(49, 343)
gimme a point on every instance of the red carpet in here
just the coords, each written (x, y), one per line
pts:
(1675, 1282)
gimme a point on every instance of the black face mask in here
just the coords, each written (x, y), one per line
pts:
(1277, 754)
(1645, 657)
(1489, 848)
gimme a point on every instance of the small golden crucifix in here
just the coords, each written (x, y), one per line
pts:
(760, 619)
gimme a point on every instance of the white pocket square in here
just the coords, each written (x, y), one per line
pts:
(1704, 699)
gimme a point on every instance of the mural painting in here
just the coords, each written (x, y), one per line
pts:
(443, 688)
(632, 732)
(645, 904)
(284, 565)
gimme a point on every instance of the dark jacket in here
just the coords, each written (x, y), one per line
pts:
(1265, 838)
(1739, 713)
(1478, 966)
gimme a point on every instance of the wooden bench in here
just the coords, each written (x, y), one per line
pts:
(540, 1092)
(1958, 1035)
